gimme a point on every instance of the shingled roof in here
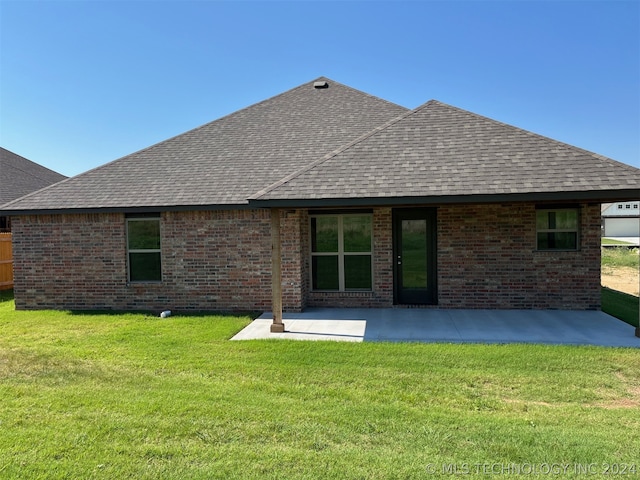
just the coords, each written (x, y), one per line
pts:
(326, 144)
(20, 176)
(439, 153)
(224, 162)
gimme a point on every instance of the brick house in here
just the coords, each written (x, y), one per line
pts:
(325, 196)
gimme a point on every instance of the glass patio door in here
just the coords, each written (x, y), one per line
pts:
(415, 256)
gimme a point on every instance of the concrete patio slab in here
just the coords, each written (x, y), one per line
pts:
(566, 327)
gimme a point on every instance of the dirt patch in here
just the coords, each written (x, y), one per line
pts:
(525, 402)
(623, 279)
(633, 401)
(621, 403)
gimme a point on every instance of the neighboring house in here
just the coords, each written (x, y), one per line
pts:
(325, 196)
(621, 219)
(19, 177)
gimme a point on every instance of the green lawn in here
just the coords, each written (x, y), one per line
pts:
(132, 396)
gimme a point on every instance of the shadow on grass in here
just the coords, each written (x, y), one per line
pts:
(617, 304)
(174, 313)
(621, 305)
(7, 296)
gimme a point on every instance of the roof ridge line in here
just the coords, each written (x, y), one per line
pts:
(330, 155)
(367, 94)
(37, 176)
(39, 166)
(191, 130)
(195, 129)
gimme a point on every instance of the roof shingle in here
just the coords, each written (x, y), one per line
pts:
(227, 160)
(440, 151)
(20, 176)
(323, 146)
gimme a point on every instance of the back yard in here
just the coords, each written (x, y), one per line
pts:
(620, 269)
(135, 396)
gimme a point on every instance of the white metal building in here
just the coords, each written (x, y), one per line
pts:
(621, 219)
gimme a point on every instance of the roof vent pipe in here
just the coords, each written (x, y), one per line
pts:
(321, 84)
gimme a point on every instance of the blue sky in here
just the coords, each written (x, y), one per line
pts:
(85, 82)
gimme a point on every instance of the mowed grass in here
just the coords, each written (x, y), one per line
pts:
(133, 396)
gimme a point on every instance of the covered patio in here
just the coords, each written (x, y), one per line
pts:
(561, 327)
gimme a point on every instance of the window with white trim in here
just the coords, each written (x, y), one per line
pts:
(557, 229)
(341, 252)
(143, 249)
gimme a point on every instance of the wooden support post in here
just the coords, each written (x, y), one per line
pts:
(276, 273)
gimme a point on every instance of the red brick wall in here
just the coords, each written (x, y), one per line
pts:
(221, 260)
(212, 260)
(70, 261)
(215, 260)
(487, 258)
